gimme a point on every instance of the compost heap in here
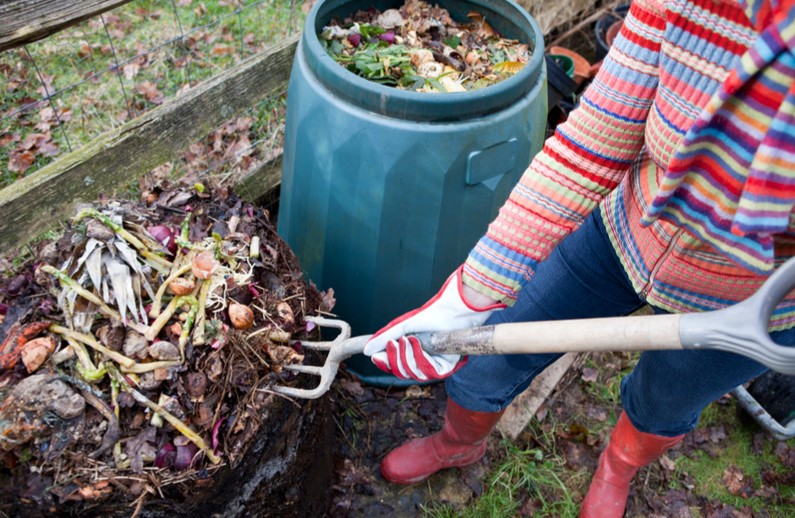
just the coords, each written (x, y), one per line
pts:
(420, 47)
(140, 347)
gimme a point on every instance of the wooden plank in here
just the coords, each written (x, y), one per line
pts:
(261, 181)
(519, 413)
(36, 203)
(25, 21)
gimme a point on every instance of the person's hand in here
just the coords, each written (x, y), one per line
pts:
(456, 306)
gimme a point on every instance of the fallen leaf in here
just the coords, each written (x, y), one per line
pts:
(416, 391)
(733, 479)
(131, 70)
(353, 387)
(598, 413)
(511, 67)
(19, 161)
(667, 463)
(574, 455)
(222, 50)
(327, 300)
(150, 91)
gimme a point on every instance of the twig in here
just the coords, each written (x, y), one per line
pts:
(288, 398)
(113, 432)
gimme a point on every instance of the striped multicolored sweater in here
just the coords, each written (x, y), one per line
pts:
(612, 153)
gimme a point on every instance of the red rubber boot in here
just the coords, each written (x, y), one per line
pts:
(626, 452)
(462, 441)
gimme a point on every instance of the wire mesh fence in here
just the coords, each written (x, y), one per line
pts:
(63, 91)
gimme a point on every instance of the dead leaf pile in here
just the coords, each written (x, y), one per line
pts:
(420, 47)
(140, 346)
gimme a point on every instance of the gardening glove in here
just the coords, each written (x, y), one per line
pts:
(392, 350)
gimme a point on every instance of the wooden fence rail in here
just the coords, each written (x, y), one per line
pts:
(26, 21)
(36, 203)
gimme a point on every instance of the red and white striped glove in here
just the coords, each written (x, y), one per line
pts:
(393, 350)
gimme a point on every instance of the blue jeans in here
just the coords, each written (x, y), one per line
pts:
(583, 278)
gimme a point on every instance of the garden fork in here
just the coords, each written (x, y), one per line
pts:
(741, 328)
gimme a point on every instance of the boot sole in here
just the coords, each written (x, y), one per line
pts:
(409, 481)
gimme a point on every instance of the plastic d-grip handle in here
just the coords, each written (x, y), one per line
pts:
(491, 162)
(742, 328)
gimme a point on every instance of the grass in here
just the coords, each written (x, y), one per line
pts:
(114, 67)
(531, 474)
(707, 472)
(524, 476)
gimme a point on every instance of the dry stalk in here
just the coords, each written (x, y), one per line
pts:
(141, 368)
(585, 22)
(166, 415)
(92, 342)
(198, 333)
(161, 264)
(155, 327)
(155, 311)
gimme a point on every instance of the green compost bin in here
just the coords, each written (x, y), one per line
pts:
(385, 191)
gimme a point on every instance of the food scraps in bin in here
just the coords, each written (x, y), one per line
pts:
(420, 47)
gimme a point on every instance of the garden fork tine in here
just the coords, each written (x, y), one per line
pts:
(339, 350)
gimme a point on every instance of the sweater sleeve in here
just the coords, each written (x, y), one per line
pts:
(579, 165)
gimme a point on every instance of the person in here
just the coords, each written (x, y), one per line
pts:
(671, 184)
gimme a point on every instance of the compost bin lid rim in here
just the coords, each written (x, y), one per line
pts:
(424, 106)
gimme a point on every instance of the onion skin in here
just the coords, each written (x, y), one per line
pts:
(241, 316)
(204, 265)
(355, 39)
(215, 434)
(185, 456)
(165, 457)
(181, 286)
(388, 37)
(165, 236)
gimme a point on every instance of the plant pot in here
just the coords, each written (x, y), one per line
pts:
(560, 84)
(606, 29)
(565, 63)
(582, 68)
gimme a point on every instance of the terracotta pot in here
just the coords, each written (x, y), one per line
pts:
(582, 68)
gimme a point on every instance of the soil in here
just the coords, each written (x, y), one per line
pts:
(573, 425)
